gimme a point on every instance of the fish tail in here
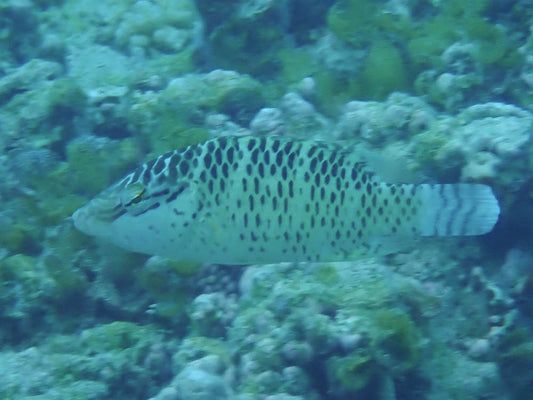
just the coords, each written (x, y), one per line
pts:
(457, 209)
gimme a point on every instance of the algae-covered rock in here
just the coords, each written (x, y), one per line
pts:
(454, 375)
(38, 108)
(110, 361)
(202, 378)
(25, 292)
(516, 362)
(174, 117)
(351, 373)
(390, 345)
(96, 162)
(97, 66)
(143, 30)
(194, 348)
(301, 118)
(471, 145)
(220, 90)
(211, 313)
(27, 77)
(399, 117)
(168, 26)
(196, 384)
(21, 36)
(116, 336)
(343, 321)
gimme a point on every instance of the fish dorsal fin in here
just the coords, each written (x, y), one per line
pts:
(387, 168)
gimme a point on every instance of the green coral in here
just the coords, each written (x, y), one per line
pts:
(334, 91)
(384, 71)
(396, 341)
(21, 237)
(56, 200)
(353, 372)
(352, 20)
(434, 36)
(248, 43)
(241, 104)
(400, 48)
(492, 44)
(327, 275)
(361, 24)
(88, 165)
(394, 348)
(65, 98)
(459, 21)
(296, 64)
(175, 133)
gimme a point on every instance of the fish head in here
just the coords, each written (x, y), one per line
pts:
(98, 215)
(124, 213)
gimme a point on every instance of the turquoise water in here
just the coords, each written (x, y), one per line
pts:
(89, 91)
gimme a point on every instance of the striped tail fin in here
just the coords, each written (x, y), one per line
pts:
(457, 209)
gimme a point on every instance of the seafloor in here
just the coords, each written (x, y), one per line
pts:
(90, 89)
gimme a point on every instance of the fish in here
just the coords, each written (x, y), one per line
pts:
(262, 200)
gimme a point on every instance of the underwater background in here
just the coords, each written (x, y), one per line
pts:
(89, 90)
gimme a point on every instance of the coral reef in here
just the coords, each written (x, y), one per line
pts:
(119, 359)
(88, 90)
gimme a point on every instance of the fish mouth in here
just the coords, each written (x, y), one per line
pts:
(83, 221)
(96, 217)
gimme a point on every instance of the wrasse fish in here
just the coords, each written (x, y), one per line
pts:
(243, 200)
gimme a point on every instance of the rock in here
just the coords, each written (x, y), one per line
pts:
(196, 384)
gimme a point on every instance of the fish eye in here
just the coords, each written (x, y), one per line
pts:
(137, 197)
(132, 194)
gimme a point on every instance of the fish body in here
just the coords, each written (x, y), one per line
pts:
(242, 200)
